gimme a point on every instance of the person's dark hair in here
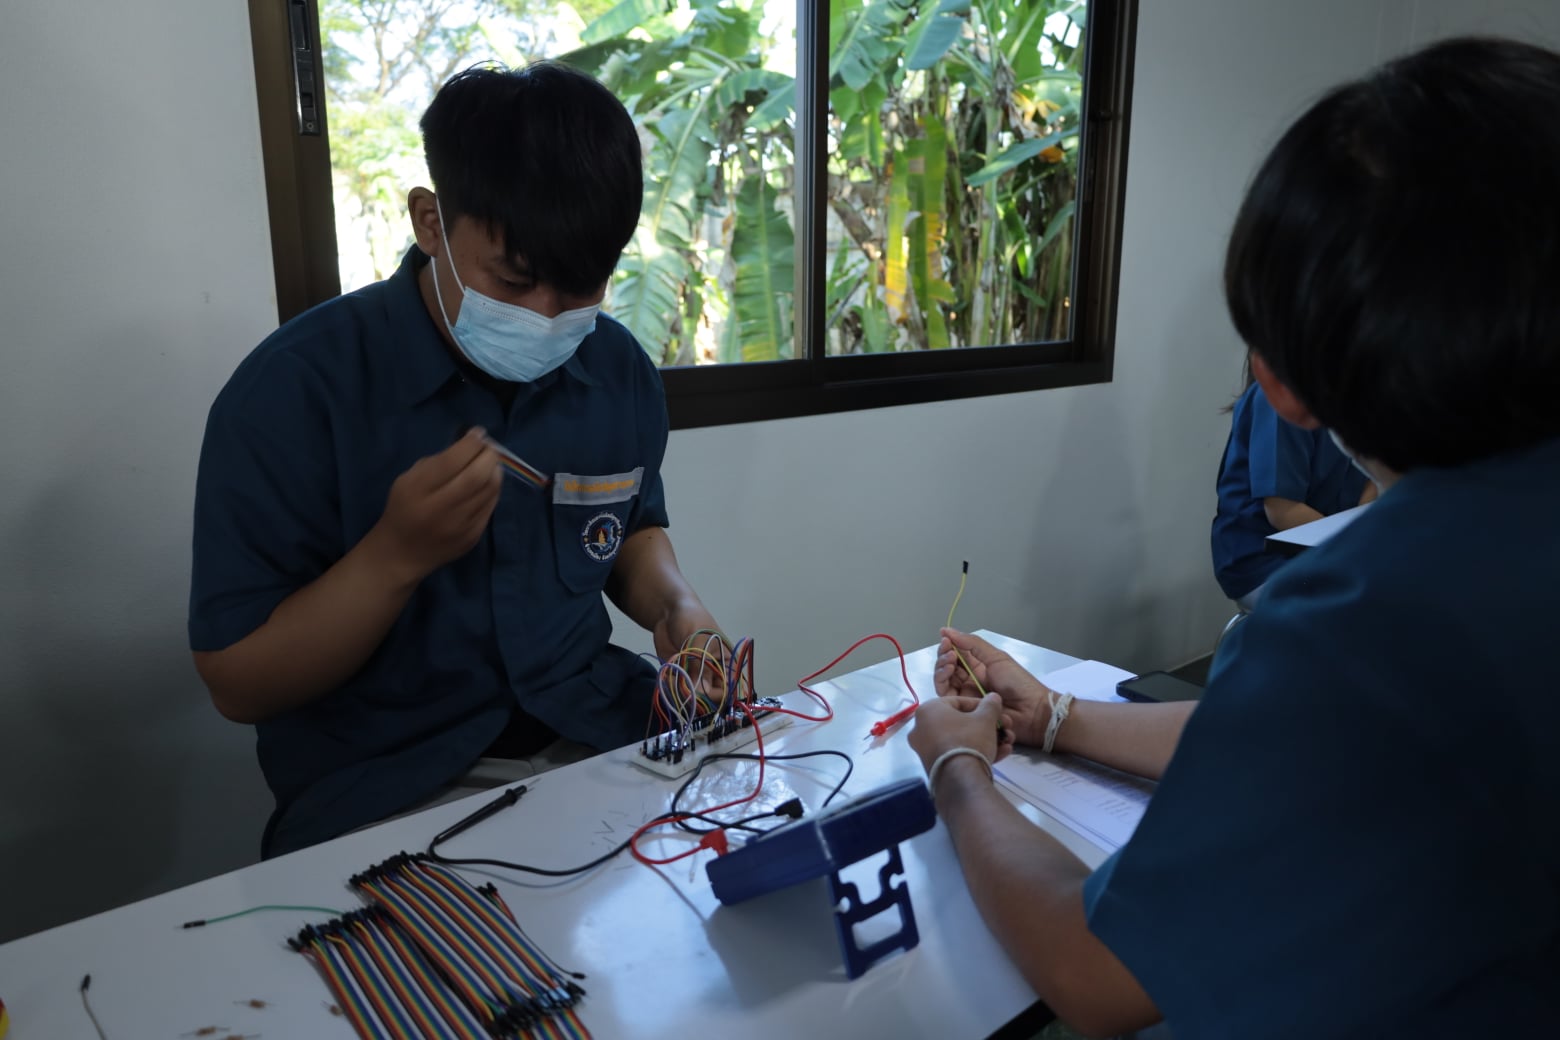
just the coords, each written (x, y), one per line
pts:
(546, 156)
(1396, 261)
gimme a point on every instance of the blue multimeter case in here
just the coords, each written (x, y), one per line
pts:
(821, 846)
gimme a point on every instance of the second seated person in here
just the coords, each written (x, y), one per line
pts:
(1274, 476)
(370, 590)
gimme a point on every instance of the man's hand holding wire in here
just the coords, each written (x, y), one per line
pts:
(438, 509)
(959, 722)
(705, 655)
(970, 667)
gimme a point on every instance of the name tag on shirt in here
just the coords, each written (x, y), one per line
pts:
(582, 490)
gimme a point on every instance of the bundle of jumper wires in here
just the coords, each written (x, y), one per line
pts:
(434, 957)
(684, 705)
(710, 685)
(705, 688)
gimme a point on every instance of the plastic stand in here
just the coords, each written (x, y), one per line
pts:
(821, 847)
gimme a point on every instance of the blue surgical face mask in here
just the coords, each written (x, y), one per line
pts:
(511, 343)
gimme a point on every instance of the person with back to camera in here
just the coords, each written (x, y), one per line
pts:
(1352, 835)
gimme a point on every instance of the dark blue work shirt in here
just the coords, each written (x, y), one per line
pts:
(301, 448)
(1267, 457)
(1356, 835)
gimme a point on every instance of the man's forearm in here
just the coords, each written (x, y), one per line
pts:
(314, 640)
(1135, 738)
(1029, 890)
(647, 583)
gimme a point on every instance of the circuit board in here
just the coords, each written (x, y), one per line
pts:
(675, 753)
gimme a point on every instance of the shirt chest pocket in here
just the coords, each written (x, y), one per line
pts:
(590, 516)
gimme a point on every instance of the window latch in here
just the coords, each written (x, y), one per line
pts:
(306, 69)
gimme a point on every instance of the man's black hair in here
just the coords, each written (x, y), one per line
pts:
(547, 157)
(1397, 259)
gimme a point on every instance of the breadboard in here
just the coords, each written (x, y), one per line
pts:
(677, 752)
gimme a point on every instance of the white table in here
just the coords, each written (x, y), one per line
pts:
(664, 958)
(1308, 536)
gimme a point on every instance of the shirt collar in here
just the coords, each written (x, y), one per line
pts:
(576, 368)
(425, 365)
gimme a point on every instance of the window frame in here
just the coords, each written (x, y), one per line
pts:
(298, 187)
(303, 241)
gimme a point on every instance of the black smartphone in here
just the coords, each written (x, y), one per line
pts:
(1159, 686)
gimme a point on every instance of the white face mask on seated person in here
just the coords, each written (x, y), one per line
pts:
(510, 343)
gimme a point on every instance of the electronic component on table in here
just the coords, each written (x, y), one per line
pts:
(1159, 686)
(823, 845)
(676, 752)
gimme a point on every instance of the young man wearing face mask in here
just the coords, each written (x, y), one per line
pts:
(370, 590)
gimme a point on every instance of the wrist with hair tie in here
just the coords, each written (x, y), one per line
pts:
(1060, 707)
(947, 756)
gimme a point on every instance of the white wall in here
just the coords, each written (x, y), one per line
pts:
(136, 272)
(1537, 21)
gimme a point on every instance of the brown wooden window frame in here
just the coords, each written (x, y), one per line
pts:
(303, 236)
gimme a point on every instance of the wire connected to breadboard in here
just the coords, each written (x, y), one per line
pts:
(791, 809)
(684, 703)
(716, 839)
(704, 702)
(882, 726)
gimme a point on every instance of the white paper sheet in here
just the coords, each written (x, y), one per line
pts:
(1089, 680)
(1100, 803)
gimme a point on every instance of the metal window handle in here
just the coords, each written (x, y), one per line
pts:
(305, 62)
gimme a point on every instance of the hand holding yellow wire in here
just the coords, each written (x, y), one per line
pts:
(1002, 732)
(963, 574)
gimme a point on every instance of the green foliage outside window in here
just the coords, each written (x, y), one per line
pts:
(952, 145)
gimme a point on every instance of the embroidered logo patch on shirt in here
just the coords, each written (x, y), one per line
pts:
(602, 536)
